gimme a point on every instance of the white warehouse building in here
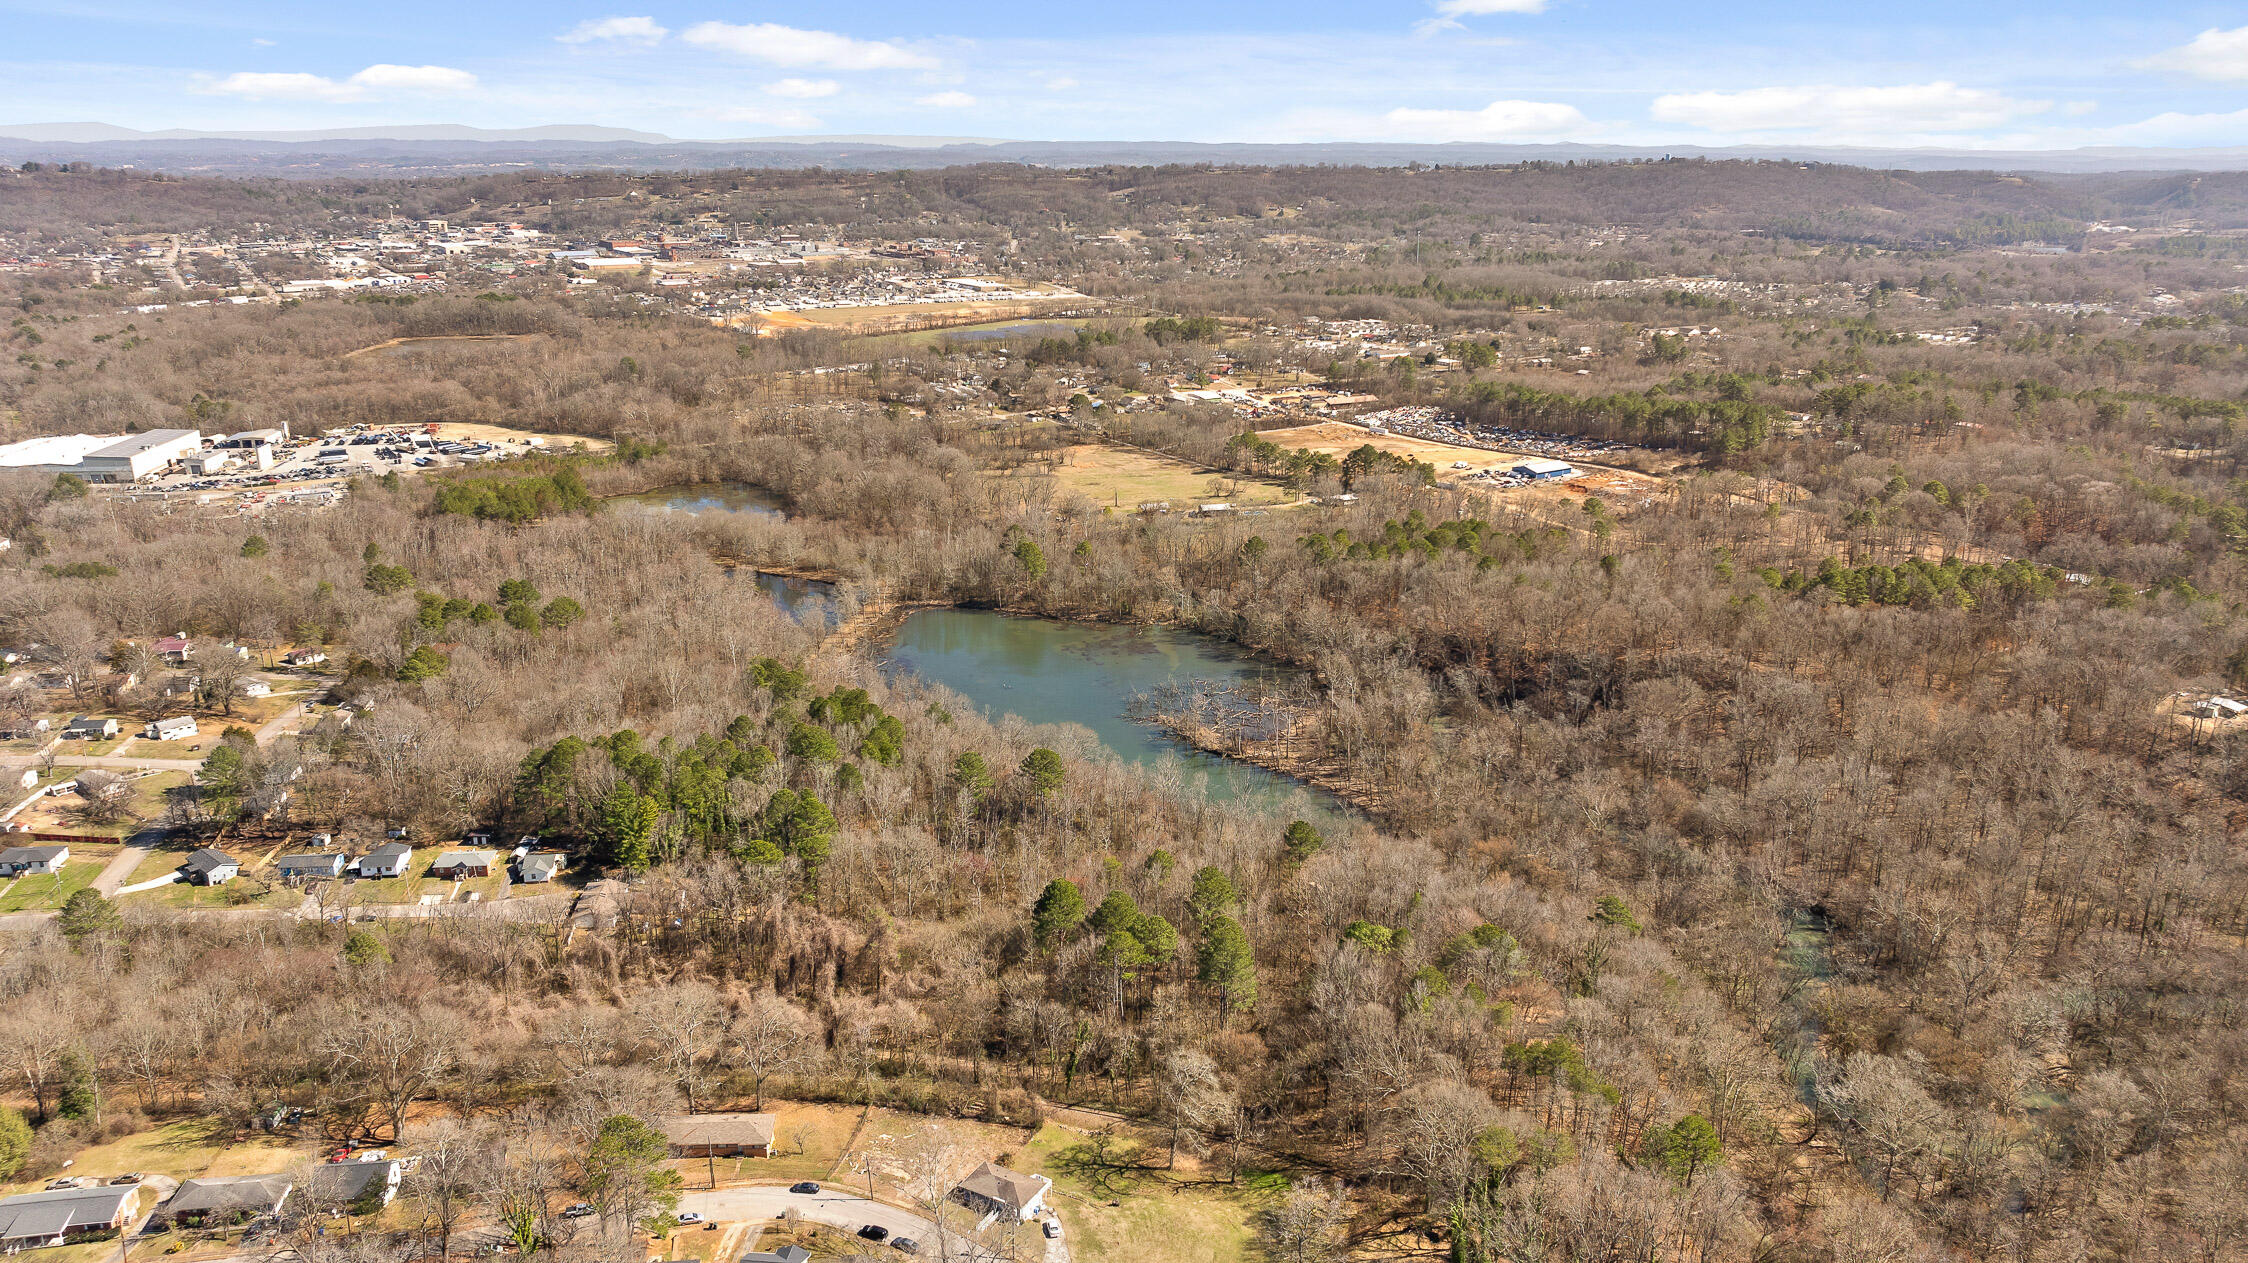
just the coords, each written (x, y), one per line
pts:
(103, 458)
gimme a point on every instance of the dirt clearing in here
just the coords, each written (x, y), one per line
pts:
(1125, 478)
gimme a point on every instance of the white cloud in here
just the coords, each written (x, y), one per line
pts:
(1498, 121)
(1061, 84)
(2213, 54)
(789, 46)
(946, 101)
(1449, 13)
(376, 80)
(261, 42)
(1485, 8)
(803, 89)
(642, 31)
(414, 78)
(277, 86)
(1914, 107)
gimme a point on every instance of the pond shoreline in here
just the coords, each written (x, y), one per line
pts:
(1285, 754)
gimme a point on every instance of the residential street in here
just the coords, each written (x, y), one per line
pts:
(833, 1206)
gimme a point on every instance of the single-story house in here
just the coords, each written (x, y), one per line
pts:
(256, 688)
(719, 1135)
(388, 860)
(210, 867)
(454, 865)
(31, 728)
(540, 866)
(226, 1199)
(786, 1254)
(173, 648)
(365, 1185)
(2219, 708)
(22, 861)
(177, 728)
(90, 728)
(32, 1220)
(995, 1190)
(304, 657)
(329, 865)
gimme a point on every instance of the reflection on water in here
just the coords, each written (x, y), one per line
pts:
(805, 600)
(710, 497)
(1050, 672)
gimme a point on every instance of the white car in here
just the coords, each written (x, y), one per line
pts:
(690, 1217)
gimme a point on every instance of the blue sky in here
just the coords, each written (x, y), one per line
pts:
(2057, 74)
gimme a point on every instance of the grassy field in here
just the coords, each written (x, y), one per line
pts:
(1120, 478)
(184, 1151)
(807, 1141)
(48, 890)
(1159, 1218)
(1337, 439)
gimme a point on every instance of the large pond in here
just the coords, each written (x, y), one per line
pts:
(709, 497)
(1050, 672)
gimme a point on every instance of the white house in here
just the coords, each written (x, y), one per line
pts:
(256, 688)
(177, 728)
(23, 861)
(388, 860)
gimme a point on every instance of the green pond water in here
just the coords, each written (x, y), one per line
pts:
(1050, 672)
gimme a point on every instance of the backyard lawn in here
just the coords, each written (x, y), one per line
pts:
(1158, 1218)
(48, 890)
(182, 1150)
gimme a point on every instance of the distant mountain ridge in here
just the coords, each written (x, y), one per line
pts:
(445, 149)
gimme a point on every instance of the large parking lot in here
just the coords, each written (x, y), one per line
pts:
(311, 472)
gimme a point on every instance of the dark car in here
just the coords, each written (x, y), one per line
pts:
(875, 1232)
(905, 1245)
(805, 1187)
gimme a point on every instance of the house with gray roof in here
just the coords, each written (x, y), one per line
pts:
(315, 865)
(30, 1221)
(208, 866)
(540, 866)
(388, 860)
(365, 1186)
(455, 865)
(23, 861)
(226, 1199)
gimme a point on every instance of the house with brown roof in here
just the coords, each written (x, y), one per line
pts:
(994, 1190)
(719, 1135)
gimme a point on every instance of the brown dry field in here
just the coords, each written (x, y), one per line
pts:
(1335, 439)
(1120, 477)
(895, 318)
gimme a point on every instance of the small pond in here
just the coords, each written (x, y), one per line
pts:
(1050, 672)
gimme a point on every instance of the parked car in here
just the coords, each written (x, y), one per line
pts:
(807, 1186)
(690, 1217)
(1052, 1228)
(906, 1245)
(875, 1232)
(130, 1177)
(577, 1210)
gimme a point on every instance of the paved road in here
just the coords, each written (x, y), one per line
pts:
(124, 763)
(831, 1206)
(129, 858)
